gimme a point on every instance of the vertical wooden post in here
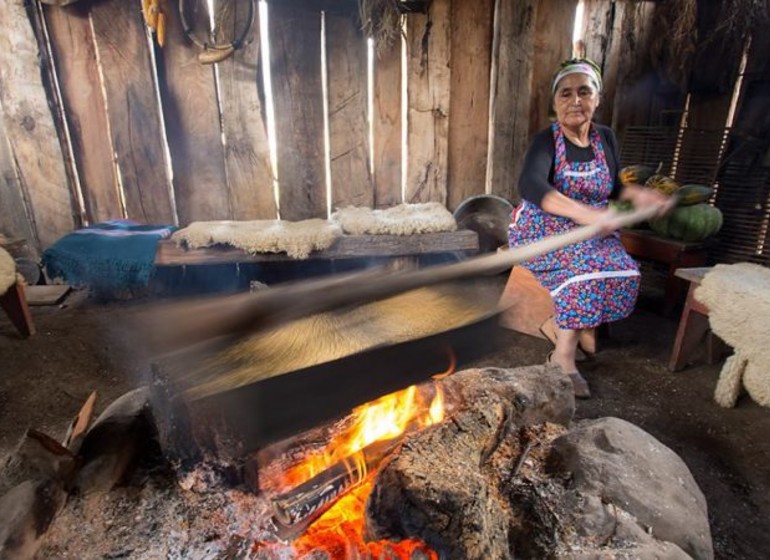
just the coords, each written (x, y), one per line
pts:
(428, 83)
(133, 111)
(553, 43)
(510, 102)
(351, 176)
(247, 151)
(471, 59)
(636, 79)
(72, 44)
(30, 127)
(295, 51)
(191, 112)
(386, 124)
(16, 221)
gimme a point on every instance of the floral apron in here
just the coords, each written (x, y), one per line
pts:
(593, 281)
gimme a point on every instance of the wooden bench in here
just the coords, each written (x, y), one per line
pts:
(15, 306)
(344, 247)
(645, 245)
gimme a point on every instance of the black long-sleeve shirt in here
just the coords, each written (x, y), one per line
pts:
(536, 178)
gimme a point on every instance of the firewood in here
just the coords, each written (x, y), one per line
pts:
(36, 457)
(26, 512)
(114, 442)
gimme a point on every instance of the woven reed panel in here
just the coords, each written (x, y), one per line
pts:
(739, 174)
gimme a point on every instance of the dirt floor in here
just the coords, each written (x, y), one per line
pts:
(83, 345)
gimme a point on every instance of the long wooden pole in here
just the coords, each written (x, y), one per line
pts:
(182, 325)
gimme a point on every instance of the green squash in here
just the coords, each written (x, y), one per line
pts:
(689, 223)
(688, 195)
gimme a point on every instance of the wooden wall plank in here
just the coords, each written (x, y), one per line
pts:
(133, 111)
(471, 48)
(428, 82)
(191, 111)
(511, 94)
(247, 151)
(30, 127)
(553, 43)
(295, 52)
(387, 126)
(15, 221)
(346, 65)
(602, 37)
(637, 82)
(74, 55)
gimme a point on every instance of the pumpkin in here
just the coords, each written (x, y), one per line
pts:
(662, 183)
(689, 223)
(687, 195)
(635, 174)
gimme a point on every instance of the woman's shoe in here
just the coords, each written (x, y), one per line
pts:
(579, 383)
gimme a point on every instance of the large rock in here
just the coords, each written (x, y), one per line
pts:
(507, 476)
(628, 468)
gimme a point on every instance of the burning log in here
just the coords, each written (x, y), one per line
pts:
(295, 510)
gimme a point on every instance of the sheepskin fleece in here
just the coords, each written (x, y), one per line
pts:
(738, 298)
(296, 239)
(7, 271)
(404, 219)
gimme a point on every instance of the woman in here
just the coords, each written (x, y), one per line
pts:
(569, 175)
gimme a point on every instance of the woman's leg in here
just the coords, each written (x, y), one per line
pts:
(564, 357)
(566, 348)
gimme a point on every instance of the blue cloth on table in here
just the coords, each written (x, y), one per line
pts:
(107, 257)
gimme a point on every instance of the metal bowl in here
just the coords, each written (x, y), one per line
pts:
(488, 215)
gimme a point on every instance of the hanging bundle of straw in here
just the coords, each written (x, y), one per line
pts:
(381, 20)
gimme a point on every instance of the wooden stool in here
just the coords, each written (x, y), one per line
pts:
(693, 324)
(15, 306)
(529, 309)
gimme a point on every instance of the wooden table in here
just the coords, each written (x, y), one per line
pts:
(344, 247)
(693, 324)
(644, 244)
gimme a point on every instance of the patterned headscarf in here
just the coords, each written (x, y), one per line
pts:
(579, 66)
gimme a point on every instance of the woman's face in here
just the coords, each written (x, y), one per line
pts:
(575, 100)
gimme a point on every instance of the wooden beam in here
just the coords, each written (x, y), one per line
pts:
(386, 122)
(346, 65)
(133, 111)
(73, 49)
(428, 83)
(30, 127)
(247, 152)
(345, 247)
(553, 43)
(295, 51)
(471, 55)
(511, 94)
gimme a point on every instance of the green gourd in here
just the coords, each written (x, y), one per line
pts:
(689, 223)
(688, 195)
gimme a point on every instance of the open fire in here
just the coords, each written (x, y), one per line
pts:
(320, 502)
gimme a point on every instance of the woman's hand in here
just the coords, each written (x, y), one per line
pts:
(644, 197)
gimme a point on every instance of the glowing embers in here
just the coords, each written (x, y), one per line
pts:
(325, 507)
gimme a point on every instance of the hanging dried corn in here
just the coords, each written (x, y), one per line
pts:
(155, 18)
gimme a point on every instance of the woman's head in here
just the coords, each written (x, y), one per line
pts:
(576, 89)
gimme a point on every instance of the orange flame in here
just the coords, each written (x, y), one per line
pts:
(340, 530)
